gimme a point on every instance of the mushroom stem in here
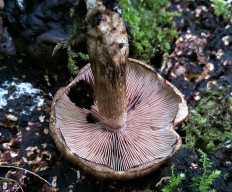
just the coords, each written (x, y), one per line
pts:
(107, 45)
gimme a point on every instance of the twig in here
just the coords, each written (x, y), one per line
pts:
(10, 166)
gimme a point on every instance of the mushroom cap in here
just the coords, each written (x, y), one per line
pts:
(154, 108)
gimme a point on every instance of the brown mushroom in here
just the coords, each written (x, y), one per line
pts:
(136, 110)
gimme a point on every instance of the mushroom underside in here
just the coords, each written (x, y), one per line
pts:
(152, 106)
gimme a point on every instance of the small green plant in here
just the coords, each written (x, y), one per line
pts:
(203, 182)
(222, 8)
(151, 27)
(69, 42)
(73, 68)
(209, 122)
(174, 181)
(72, 55)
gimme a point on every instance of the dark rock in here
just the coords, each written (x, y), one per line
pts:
(1, 26)
(52, 3)
(35, 24)
(30, 5)
(31, 27)
(54, 25)
(7, 46)
(39, 12)
(52, 36)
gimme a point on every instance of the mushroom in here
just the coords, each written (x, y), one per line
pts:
(135, 110)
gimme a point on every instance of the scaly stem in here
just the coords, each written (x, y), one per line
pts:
(107, 44)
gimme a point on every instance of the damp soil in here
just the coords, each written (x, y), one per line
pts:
(201, 58)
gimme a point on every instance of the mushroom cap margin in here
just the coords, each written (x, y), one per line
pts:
(102, 171)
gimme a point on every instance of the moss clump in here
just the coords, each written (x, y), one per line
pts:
(222, 8)
(76, 33)
(203, 182)
(151, 27)
(174, 181)
(209, 123)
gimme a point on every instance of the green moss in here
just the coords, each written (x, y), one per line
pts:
(222, 8)
(151, 27)
(203, 182)
(174, 181)
(209, 122)
(69, 43)
(200, 183)
(72, 55)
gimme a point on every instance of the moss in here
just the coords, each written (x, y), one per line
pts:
(174, 181)
(209, 123)
(206, 176)
(222, 8)
(151, 27)
(69, 43)
(203, 182)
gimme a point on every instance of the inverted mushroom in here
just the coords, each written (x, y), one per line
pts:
(135, 111)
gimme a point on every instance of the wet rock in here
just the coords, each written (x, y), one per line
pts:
(52, 36)
(34, 23)
(20, 5)
(45, 44)
(45, 12)
(7, 46)
(36, 27)
(52, 3)
(1, 26)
